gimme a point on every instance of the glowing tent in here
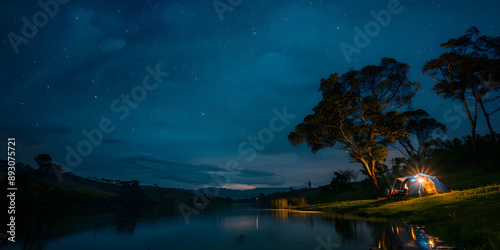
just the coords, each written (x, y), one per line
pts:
(417, 184)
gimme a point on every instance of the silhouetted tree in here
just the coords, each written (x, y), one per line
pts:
(470, 72)
(421, 128)
(358, 111)
(399, 165)
(45, 164)
(350, 174)
(380, 170)
(309, 183)
(340, 182)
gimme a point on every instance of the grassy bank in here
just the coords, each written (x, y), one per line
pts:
(470, 217)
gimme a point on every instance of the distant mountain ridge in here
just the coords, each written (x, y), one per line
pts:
(245, 194)
(115, 187)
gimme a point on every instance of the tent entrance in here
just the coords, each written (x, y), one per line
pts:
(428, 185)
(400, 187)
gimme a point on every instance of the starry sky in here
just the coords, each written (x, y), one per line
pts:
(172, 92)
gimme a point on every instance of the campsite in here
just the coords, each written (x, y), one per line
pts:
(465, 217)
(418, 184)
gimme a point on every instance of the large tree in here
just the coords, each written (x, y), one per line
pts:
(358, 111)
(469, 73)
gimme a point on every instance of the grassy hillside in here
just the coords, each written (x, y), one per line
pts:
(75, 192)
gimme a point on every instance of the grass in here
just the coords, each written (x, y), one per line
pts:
(470, 217)
(469, 177)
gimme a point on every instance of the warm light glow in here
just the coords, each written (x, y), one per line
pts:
(415, 168)
(431, 243)
(421, 180)
(413, 234)
(257, 221)
(238, 186)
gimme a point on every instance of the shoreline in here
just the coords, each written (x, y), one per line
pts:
(431, 241)
(445, 217)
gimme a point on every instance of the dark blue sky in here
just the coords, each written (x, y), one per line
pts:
(221, 81)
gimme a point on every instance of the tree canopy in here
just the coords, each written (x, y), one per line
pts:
(469, 72)
(421, 128)
(359, 110)
(45, 164)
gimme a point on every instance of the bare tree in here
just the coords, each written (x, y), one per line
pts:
(350, 174)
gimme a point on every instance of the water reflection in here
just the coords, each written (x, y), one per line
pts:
(349, 231)
(236, 227)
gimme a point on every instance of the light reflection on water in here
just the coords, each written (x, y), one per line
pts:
(236, 227)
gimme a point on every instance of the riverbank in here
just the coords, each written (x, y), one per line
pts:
(469, 218)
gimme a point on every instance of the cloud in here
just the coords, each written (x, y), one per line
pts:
(136, 157)
(256, 173)
(198, 174)
(238, 186)
(37, 130)
(33, 134)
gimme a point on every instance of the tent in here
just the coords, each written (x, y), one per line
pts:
(417, 184)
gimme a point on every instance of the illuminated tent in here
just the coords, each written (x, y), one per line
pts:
(417, 184)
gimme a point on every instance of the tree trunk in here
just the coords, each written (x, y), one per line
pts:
(371, 172)
(376, 186)
(473, 140)
(487, 116)
(473, 121)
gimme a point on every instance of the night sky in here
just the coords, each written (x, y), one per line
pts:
(221, 82)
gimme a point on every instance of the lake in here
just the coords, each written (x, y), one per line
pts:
(239, 226)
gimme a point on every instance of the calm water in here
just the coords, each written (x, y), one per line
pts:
(235, 227)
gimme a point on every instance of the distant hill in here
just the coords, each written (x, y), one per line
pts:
(37, 189)
(245, 194)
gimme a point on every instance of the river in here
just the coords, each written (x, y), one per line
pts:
(239, 226)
